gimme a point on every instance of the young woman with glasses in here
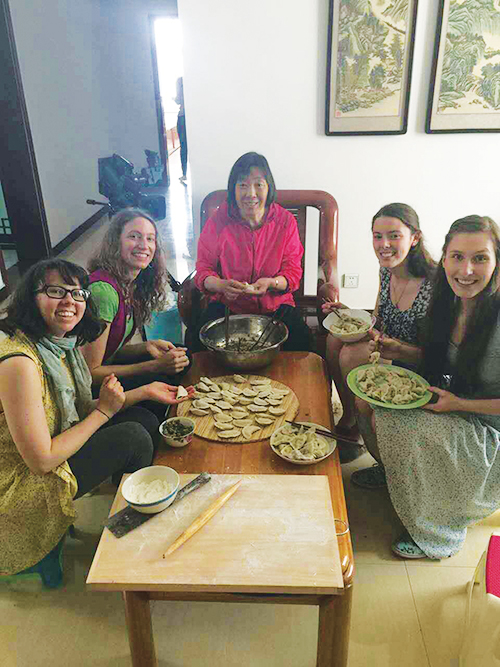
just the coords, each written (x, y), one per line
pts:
(56, 442)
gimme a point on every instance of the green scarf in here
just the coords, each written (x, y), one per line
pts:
(72, 405)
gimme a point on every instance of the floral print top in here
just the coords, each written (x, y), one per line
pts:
(401, 324)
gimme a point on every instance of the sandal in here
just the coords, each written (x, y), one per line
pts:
(406, 547)
(370, 478)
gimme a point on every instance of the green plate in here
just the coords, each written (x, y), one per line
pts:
(352, 383)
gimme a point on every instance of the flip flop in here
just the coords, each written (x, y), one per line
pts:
(370, 478)
(406, 547)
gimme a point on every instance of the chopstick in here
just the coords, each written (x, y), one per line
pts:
(200, 521)
(329, 434)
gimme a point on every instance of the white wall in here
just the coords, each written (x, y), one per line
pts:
(58, 49)
(87, 76)
(255, 80)
(128, 74)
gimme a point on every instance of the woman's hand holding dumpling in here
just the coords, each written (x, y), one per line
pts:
(174, 361)
(166, 393)
(261, 285)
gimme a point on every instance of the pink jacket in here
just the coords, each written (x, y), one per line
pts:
(228, 248)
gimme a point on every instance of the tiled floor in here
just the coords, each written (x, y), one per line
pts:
(404, 613)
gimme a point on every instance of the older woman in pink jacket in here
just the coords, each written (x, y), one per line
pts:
(250, 254)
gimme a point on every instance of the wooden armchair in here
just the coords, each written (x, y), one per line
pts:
(190, 299)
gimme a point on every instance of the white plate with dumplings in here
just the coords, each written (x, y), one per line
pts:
(319, 447)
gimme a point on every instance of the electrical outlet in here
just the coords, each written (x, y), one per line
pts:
(351, 280)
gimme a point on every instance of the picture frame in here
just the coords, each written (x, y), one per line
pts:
(369, 65)
(464, 94)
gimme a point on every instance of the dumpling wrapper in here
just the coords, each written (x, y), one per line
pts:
(181, 392)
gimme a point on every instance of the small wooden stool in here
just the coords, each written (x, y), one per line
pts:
(481, 645)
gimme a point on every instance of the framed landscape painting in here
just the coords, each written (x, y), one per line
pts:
(465, 82)
(369, 61)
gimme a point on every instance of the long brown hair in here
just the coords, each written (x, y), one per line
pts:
(420, 263)
(444, 309)
(146, 293)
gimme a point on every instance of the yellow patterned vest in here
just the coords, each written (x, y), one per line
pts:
(35, 510)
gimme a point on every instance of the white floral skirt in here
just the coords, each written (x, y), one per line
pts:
(443, 474)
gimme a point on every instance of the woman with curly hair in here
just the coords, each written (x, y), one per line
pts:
(127, 284)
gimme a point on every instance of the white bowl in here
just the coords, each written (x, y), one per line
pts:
(350, 337)
(150, 474)
(331, 442)
(178, 442)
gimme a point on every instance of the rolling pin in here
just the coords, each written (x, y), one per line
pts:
(200, 521)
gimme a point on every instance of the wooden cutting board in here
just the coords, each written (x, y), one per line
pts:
(275, 535)
(205, 424)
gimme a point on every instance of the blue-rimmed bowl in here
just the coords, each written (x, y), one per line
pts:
(150, 474)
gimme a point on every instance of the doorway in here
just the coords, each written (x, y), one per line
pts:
(168, 72)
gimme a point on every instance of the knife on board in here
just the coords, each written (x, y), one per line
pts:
(128, 518)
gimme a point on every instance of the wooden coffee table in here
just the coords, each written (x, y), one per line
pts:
(116, 566)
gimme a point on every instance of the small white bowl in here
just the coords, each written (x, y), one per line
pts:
(150, 474)
(332, 319)
(178, 442)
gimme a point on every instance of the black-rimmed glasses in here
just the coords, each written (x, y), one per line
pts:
(57, 292)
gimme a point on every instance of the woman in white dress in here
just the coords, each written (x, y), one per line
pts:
(442, 461)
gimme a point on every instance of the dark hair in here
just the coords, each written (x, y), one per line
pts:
(23, 312)
(242, 168)
(147, 292)
(443, 312)
(420, 262)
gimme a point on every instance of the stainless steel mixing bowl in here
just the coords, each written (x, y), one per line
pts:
(213, 337)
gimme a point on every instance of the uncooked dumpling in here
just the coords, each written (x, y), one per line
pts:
(238, 414)
(223, 417)
(201, 386)
(277, 411)
(273, 401)
(181, 392)
(223, 425)
(198, 412)
(245, 401)
(215, 409)
(239, 378)
(201, 404)
(224, 405)
(206, 380)
(251, 393)
(233, 433)
(259, 401)
(248, 431)
(264, 421)
(257, 381)
(258, 408)
(242, 422)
